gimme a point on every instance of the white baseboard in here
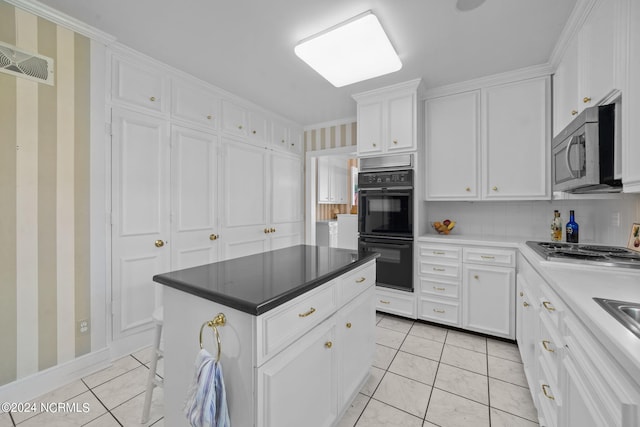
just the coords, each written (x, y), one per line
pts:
(28, 388)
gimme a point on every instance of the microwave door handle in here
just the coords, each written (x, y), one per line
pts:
(574, 140)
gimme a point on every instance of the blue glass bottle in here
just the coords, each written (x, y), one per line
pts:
(572, 229)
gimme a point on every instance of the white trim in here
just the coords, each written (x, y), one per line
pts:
(492, 80)
(331, 123)
(62, 19)
(27, 388)
(571, 28)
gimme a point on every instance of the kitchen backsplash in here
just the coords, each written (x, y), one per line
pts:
(597, 218)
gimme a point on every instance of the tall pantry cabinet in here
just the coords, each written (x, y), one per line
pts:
(197, 176)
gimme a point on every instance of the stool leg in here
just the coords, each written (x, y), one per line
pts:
(151, 383)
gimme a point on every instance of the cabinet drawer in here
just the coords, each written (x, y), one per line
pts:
(440, 252)
(503, 257)
(437, 269)
(550, 343)
(399, 302)
(139, 85)
(281, 326)
(357, 281)
(550, 305)
(439, 288)
(439, 311)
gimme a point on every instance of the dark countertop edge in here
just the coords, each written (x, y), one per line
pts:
(268, 305)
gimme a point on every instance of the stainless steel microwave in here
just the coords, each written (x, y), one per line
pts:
(583, 155)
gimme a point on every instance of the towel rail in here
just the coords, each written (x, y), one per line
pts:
(219, 320)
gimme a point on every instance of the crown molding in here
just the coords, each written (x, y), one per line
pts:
(61, 19)
(570, 30)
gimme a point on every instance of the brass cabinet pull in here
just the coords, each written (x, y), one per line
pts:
(548, 306)
(348, 325)
(438, 253)
(385, 302)
(439, 289)
(213, 237)
(487, 257)
(360, 280)
(438, 269)
(526, 304)
(574, 112)
(152, 99)
(308, 313)
(545, 345)
(328, 344)
(438, 311)
(586, 100)
(546, 387)
(159, 243)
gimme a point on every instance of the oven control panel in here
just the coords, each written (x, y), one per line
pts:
(386, 179)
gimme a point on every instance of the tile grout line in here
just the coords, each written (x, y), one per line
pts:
(435, 377)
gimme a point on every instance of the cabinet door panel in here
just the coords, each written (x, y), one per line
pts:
(193, 190)
(370, 128)
(487, 300)
(517, 140)
(565, 88)
(195, 104)
(401, 122)
(234, 118)
(311, 362)
(140, 209)
(452, 147)
(286, 189)
(139, 85)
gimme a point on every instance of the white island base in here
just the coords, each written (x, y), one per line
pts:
(301, 363)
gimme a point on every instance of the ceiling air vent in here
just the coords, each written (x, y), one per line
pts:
(20, 63)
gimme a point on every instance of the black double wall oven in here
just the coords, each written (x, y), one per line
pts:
(385, 225)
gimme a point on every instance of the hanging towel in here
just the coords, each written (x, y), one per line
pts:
(206, 404)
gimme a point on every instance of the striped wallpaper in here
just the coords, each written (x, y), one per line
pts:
(324, 138)
(44, 193)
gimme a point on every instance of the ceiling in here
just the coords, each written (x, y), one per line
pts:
(246, 46)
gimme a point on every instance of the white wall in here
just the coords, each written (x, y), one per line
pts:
(533, 219)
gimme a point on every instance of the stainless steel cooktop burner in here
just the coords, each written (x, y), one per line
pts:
(611, 256)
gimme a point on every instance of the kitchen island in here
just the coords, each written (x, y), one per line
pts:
(298, 341)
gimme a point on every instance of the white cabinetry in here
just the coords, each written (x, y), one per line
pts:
(491, 144)
(516, 140)
(395, 302)
(453, 145)
(234, 118)
(388, 119)
(139, 85)
(589, 71)
(332, 180)
(439, 272)
(488, 290)
(194, 104)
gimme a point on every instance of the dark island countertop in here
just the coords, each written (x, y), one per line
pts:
(258, 283)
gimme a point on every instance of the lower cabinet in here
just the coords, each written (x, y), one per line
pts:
(299, 386)
(573, 379)
(396, 302)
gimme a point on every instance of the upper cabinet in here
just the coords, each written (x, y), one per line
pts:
(194, 104)
(491, 143)
(388, 119)
(587, 74)
(332, 180)
(234, 118)
(138, 85)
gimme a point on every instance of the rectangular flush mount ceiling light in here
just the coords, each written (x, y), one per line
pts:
(350, 52)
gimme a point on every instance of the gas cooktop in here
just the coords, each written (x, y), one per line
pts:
(611, 256)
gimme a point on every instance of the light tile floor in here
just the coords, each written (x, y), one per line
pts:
(423, 375)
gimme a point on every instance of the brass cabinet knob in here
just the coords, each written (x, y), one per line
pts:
(272, 230)
(152, 99)
(374, 144)
(574, 112)
(521, 294)
(525, 304)
(240, 127)
(253, 132)
(328, 344)
(159, 243)
(209, 117)
(348, 325)
(213, 237)
(266, 231)
(467, 189)
(282, 140)
(494, 188)
(586, 100)
(475, 276)
(395, 142)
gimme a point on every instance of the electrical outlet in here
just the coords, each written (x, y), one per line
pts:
(83, 327)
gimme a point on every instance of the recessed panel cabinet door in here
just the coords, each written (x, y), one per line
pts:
(401, 122)
(370, 128)
(516, 140)
(286, 189)
(452, 147)
(194, 229)
(140, 216)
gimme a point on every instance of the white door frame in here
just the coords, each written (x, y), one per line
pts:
(310, 186)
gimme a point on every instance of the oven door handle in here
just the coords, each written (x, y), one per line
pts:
(389, 245)
(574, 140)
